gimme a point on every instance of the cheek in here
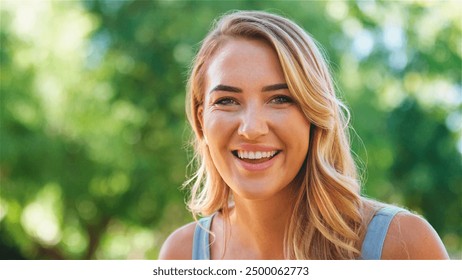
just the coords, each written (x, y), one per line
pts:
(303, 131)
(218, 127)
(218, 132)
(296, 130)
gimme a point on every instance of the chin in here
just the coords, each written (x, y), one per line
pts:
(256, 192)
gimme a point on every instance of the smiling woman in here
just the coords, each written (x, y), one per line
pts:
(276, 179)
(251, 106)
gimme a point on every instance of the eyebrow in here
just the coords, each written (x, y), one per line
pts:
(226, 88)
(238, 90)
(275, 87)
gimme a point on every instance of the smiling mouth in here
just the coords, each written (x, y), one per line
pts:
(255, 156)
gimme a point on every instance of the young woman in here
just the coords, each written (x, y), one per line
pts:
(275, 177)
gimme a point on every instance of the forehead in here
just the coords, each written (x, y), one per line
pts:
(244, 60)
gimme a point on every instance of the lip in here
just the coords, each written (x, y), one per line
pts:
(257, 166)
(253, 167)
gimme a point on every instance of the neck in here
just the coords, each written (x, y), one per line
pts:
(260, 225)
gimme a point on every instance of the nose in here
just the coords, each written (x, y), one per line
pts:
(254, 123)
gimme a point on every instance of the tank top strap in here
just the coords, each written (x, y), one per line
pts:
(201, 243)
(377, 231)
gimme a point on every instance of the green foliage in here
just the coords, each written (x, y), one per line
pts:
(93, 130)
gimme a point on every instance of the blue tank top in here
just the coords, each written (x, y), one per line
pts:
(371, 248)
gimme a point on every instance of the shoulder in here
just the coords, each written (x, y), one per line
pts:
(178, 246)
(412, 237)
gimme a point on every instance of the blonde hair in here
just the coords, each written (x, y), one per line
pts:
(327, 219)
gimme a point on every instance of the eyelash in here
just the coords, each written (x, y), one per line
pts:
(225, 101)
(280, 99)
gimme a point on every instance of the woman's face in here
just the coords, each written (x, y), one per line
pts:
(256, 134)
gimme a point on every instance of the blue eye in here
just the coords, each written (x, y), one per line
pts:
(282, 99)
(225, 101)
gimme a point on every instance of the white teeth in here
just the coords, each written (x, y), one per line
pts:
(255, 155)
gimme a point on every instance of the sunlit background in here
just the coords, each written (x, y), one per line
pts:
(93, 132)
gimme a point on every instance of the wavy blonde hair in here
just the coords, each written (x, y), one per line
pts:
(327, 219)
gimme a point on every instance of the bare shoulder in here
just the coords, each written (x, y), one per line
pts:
(178, 246)
(412, 237)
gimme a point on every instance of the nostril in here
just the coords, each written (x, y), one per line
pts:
(253, 126)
